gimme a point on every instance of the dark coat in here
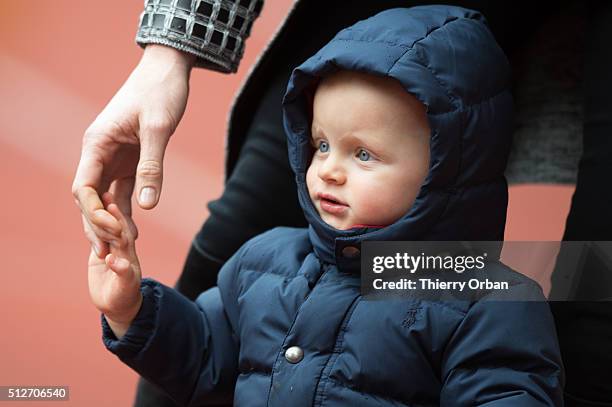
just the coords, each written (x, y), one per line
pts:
(294, 288)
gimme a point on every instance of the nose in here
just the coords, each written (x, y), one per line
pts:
(332, 170)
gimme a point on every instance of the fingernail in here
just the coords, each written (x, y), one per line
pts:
(147, 196)
(95, 247)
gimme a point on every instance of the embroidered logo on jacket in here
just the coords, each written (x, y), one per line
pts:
(410, 317)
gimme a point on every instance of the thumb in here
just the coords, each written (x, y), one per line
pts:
(149, 173)
(118, 265)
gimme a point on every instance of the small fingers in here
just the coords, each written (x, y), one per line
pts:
(119, 265)
(123, 245)
(114, 210)
(122, 190)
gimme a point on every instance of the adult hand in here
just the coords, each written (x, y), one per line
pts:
(124, 147)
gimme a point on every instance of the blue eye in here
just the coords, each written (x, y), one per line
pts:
(323, 147)
(363, 155)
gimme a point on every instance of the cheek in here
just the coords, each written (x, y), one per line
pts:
(383, 200)
(311, 177)
(371, 195)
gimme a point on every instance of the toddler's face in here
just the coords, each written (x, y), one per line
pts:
(371, 141)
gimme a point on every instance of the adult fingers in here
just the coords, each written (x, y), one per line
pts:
(97, 217)
(149, 173)
(94, 233)
(99, 247)
(86, 185)
(90, 170)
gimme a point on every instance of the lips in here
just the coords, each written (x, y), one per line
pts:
(331, 204)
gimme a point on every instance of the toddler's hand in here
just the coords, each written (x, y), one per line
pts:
(114, 282)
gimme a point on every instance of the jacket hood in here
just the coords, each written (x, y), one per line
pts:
(448, 59)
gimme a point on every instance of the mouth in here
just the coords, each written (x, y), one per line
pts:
(331, 204)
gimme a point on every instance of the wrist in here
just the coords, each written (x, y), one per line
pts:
(120, 323)
(169, 55)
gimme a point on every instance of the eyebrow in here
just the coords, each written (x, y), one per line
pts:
(314, 128)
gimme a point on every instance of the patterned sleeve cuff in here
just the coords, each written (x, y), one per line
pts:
(213, 30)
(141, 329)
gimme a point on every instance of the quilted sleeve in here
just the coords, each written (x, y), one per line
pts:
(188, 349)
(214, 31)
(504, 353)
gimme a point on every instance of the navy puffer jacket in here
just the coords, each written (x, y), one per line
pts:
(287, 325)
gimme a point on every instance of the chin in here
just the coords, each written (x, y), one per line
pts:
(333, 223)
(338, 225)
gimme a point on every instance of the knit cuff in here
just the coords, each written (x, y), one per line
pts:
(141, 328)
(213, 30)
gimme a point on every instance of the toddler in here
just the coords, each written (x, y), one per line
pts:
(398, 129)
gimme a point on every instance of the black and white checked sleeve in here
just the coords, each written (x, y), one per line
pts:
(213, 30)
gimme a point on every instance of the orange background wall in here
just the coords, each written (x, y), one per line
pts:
(60, 62)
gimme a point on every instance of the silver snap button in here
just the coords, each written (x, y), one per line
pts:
(350, 252)
(294, 354)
